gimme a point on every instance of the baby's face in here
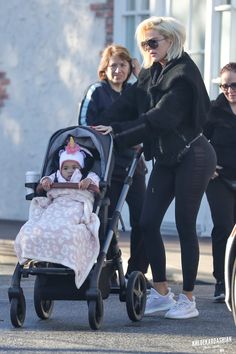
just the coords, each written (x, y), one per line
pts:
(68, 168)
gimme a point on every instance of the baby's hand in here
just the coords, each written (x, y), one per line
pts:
(84, 184)
(46, 184)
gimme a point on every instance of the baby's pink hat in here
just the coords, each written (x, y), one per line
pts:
(72, 152)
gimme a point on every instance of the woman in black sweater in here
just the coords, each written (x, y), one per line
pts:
(166, 110)
(115, 69)
(221, 130)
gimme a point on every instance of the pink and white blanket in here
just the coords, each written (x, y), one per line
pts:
(61, 229)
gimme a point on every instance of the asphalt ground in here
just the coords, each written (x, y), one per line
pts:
(9, 230)
(68, 331)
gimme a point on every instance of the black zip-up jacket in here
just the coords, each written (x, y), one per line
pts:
(98, 98)
(163, 106)
(221, 131)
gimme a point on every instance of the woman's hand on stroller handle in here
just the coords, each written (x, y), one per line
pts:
(103, 129)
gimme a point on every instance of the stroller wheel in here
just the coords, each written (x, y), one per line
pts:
(43, 308)
(136, 296)
(17, 311)
(95, 312)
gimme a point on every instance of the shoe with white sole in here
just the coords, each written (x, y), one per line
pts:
(157, 302)
(219, 295)
(184, 308)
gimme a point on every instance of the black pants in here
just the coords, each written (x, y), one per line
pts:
(135, 197)
(186, 183)
(222, 203)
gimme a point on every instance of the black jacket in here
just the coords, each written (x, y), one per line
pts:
(161, 108)
(221, 131)
(98, 98)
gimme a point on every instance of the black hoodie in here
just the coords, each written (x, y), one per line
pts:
(221, 131)
(161, 106)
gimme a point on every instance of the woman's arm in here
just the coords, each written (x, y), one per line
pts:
(89, 109)
(170, 111)
(173, 109)
(133, 133)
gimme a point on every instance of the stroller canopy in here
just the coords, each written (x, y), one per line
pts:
(101, 147)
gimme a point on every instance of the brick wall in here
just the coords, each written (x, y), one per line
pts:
(106, 11)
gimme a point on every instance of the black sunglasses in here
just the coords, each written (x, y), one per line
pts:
(151, 43)
(225, 87)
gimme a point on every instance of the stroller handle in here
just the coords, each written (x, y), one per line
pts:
(71, 185)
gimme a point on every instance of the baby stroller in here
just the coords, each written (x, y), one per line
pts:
(56, 282)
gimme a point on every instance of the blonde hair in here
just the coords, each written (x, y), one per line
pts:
(108, 52)
(169, 28)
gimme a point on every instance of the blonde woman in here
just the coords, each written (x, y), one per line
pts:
(166, 110)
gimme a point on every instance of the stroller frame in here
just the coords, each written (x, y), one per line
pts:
(97, 285)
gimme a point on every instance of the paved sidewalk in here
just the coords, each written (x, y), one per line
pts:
(9, 229)
(173, 259)
(212, 332)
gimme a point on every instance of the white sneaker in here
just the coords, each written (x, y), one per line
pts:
(184, 308)
(157, 302)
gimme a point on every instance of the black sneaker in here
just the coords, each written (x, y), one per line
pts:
(219, 295)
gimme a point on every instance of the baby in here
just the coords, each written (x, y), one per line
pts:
(71, 162)
(62, 227)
